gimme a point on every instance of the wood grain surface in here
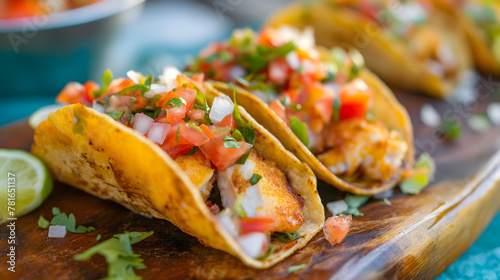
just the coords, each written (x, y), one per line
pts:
(415, 238)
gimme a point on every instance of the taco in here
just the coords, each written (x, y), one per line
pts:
(409, 44)
(322, 105)
(160, 147)
(481, 21)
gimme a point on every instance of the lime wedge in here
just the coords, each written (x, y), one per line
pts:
(25, 182)
(42, 114)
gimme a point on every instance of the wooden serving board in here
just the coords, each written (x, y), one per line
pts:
(415, 238)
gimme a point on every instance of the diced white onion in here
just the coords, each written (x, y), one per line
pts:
(411, 12)
(360, 84)
(430, 116)
(253, 243)
(237, 72)
(494, 113)
(226, 221)
(292, 58)
(156, 89)
(158, 132)
(221, 107)
(142, 123)
(169, 76)
(98, 107)
(308, 66)
(57, 231)
(134, 76)
(336, 207)
(303, 40)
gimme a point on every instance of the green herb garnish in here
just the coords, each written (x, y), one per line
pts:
(336, 109)
(107, 77)
(255, 179)
(137, 87)
(236, 111)
(353, 203)
(63, 219)
(195, 127)
(425, 167)
(452, 130)
(176, 102)
(119, 255)
(177, 134)
(230, 142)
(287, 237)
(116, 115)
(295, 268)
(192, 151)
(300, 130)
(237, 135)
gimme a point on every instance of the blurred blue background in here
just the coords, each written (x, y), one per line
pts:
(146, 39)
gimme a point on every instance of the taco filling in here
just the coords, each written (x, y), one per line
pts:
(320, 97)
(211, 144)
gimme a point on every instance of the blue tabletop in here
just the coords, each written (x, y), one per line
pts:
(167, 43)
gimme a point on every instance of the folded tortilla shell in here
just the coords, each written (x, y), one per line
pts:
(91, 151)
(387, 57)
(385, 108)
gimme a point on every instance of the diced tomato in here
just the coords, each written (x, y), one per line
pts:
(279, 109)
(188, 94)
(228, 121)
(291, 93)
(198, 78)
(193, 135)
(71, 93)
(197, 114)
(256, 224)
(119, 84)
(214, 208)
(278, 71)
(336, 228)
(207, 131)
(324, 108)
(221, 156)
(89, 86)
(165, 98)
(174, 148)
(355, 98)
(267, 38)
(176, 113)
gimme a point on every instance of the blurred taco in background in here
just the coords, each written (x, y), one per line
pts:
(323, 105)
(481, 21)
(410, 45)
(160, 147)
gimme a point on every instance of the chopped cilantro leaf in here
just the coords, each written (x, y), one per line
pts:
(296, 267)
(230, 142)
(238, 208)
(192, 151)
(353, 203)
(119, 255)
(116, 115)
(177, 134)
(255, 179)
(236, 111)
(287, 237)
(107, 77)
(176, 102)
(63, 219)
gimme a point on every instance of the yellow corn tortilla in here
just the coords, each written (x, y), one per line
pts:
(386, 56)
(385, 108)
(481, 50)
(91, 151)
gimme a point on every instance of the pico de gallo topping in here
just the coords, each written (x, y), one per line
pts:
(320, 97)
(210, 144)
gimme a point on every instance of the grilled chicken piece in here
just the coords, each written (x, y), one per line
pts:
(271, 197)
(358, 144)
(199, 169)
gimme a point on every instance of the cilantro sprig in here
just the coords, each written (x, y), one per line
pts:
(287, 237)
(119, 255)
(62, 219)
